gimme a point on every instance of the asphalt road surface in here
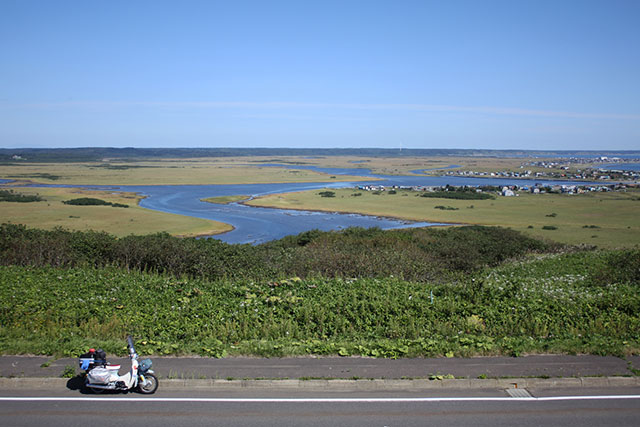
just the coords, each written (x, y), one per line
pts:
(584, 407)
(345, 367)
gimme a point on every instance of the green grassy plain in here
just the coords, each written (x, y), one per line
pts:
(607, 220)
(52, 213)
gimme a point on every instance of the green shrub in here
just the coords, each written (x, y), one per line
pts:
(416, 254)
(327, 194)
(621, 266)
(90, 201)
(10, 196)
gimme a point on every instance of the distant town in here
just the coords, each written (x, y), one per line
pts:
(506, 190)
(570, 168)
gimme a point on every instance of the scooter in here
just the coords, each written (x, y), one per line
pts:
(101, 376)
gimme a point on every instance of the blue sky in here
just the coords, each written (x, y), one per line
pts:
(538, 74)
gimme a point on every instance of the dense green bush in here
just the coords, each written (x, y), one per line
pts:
(90, 201)
(421, 254)
(10, 196)
(415, 254)
(327, 194)
(620, 267)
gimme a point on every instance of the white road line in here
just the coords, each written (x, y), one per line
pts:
(313, 399)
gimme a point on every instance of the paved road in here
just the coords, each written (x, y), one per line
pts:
(263, 408)
(347, 367)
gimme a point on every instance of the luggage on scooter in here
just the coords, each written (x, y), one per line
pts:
(99, 375)
(101, 357)
(93, 358)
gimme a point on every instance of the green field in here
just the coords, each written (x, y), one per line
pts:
(52, 212)
(604, 219)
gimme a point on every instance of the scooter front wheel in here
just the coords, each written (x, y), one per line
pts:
(150, 384)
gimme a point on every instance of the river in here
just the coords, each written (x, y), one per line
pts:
(258, 225)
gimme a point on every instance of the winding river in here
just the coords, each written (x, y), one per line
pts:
(257, 225)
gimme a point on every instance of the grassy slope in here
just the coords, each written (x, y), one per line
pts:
(614, 213)
(118, 221)
(545, 304)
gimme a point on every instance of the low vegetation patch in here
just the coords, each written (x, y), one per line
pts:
(10, 196)
(48, 176)
(91, 201)
(327, 194)
(225, 200)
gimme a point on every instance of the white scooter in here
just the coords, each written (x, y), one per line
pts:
(106, 377)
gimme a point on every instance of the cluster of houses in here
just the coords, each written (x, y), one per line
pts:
(561, 169)
(564, 189)
(589, 174)
(507, 191)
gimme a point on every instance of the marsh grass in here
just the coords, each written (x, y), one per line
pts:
(53, 212)
(162, 172)
(614, 214)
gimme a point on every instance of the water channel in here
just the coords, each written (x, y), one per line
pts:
(257, 225)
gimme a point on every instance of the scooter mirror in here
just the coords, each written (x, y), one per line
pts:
(132, 350)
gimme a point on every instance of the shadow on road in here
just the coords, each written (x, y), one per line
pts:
(77, 383)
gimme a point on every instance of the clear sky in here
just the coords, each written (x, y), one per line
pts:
(540, 74)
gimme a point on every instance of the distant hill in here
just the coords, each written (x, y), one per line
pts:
(129, 153)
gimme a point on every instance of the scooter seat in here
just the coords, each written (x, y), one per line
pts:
(112, 367)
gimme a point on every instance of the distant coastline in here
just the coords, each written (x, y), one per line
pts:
(109, 153)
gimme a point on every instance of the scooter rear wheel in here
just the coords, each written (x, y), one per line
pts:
(150, 385)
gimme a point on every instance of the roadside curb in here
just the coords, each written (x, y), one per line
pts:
(349, 385)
